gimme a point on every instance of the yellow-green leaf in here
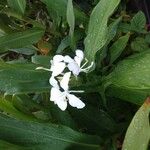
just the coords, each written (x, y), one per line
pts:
(138, 133)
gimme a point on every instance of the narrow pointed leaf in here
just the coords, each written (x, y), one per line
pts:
(20, 39)
(117, 48)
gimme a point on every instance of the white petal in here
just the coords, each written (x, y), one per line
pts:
(53, 82)
(56, 94)
(75, 101)
(58, 58)
(74, 68)
(68, 59)
(78, 60)
(65, 81)
(57, 68)
(62, 104)
(79, 53)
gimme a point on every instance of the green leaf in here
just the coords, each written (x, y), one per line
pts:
(71, 20)
(64, 44)
(57, 10)
(28, 50)
(138, 22)
(62, 117)
(132, 74)
(25, 104)
(97, 30)
(112, 29)
(147, 38)
(20, 39)
(41, 60)
(6, 145)
(23, 78)
(17, 5)
(117, 48)
(41, 136)
(8, 108)
(132, 95)
(125, 27)
(101, 124)
(139, 45)
(138, 133)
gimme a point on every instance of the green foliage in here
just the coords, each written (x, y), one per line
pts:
(138, 133)
(8, 108)
(132, 74)
(138, 22)
(97, 30)
(20, 39)
(115, 39)
(117, 48)
(139, 45)
(57, 10)
(17, 5)
(42, 136)
(22, 78)
(128, 73)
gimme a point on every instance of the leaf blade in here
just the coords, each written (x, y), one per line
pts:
(20, 39)
(138, 133)
(45, 136)
(97, 30)
(17, 5)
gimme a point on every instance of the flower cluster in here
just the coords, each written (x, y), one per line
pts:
(60, 93)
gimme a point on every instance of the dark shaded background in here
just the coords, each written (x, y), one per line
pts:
(144, 5)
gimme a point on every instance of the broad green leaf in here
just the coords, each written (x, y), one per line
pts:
(17, 5)
(41, 60)
(20, 39)
(139, 45)
(117, 48)
(138, 133)
(131, 95)
(97, 30)
(132, 74)
(28, 50)
(8, 108)
(23, 78)
(71, 20)
(41, 136)
(138, 22)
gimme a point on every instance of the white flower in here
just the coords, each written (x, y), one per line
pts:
(61, 98)
(57, 65)
(74, 65)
